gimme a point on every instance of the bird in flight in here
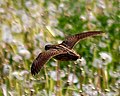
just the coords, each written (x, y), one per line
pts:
(63, 51)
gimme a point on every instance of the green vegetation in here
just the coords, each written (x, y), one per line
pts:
(26, 26)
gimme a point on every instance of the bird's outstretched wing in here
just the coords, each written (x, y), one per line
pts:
(43, 58)
(70, 41)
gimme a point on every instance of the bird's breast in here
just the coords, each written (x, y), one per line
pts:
(67, 57)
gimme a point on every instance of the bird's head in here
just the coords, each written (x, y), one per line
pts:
(47, 47)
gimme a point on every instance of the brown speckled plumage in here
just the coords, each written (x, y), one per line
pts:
(63, 51)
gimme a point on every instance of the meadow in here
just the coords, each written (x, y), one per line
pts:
(26, 26)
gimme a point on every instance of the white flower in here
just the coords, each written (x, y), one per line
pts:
(16, 75)
(61, 5)
(83, 18)
(114, 74)
(81, 61)
(105, 57)
(23, 52)
(91, 16)
(52, 14)
(16, 27)
(58, 32)
(6, 69)
(17, 58)
(111, 93)
(19, 75)
(72, 78)
(51, 8)
(13, 93)
(90, 90)
(6, 34)
(4, 89)
(102, 45)
(40, 38)
(97, 63)
(62, 73)
(2, 10)
(117, 83)
(2, 2)
(24, 72)
(53, 64)
(26, 21)
(110, 22)
(101, 4)
(53, 75)
(28, 4)
(75, 93)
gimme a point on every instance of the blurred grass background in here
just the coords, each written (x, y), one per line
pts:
(26, 26)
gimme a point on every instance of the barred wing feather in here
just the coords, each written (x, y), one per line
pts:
(70, 41)
(42, 59)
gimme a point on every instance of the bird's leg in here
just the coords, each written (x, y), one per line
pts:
(58, 85)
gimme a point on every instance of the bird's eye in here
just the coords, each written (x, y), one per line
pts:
(47, 47)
